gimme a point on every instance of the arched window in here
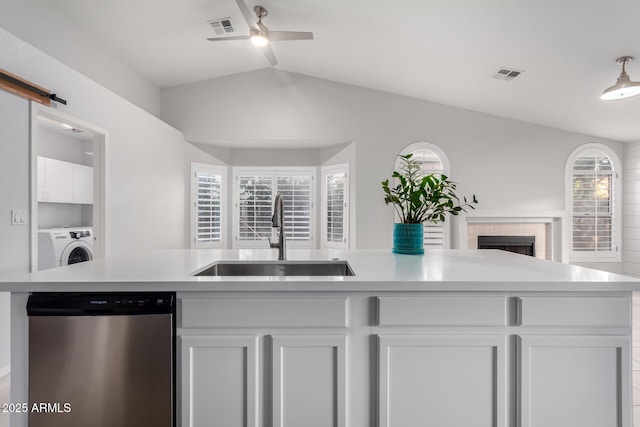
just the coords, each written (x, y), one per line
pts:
(433, 161)
(594, 204)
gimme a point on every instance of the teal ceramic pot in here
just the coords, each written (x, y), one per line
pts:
(408, 239)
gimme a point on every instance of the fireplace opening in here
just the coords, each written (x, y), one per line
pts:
(524, 245)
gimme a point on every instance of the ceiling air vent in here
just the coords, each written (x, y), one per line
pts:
(506, 74)
(222, 26)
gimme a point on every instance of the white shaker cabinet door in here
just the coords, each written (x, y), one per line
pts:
(309, 380)
(82, 184)
(438, 380)
(64, 182)
(58, 178)
(219, 381)
(575, 381)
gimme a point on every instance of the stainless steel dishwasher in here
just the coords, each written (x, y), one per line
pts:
(102, 360)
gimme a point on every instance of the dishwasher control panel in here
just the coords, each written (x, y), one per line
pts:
(102, 304)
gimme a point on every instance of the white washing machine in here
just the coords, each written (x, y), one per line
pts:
(64, 246)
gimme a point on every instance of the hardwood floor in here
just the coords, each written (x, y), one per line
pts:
(4, 398)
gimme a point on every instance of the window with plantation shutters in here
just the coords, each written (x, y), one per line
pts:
(334, 209)
(255, 199)
(255, 193)
(433, 161)
(297, 192)
(594, 205)
(207, 206)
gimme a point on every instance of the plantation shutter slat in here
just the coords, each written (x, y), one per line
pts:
(296, 192)
(592, 204)
(433, 235)
(256, 193)
(255, 207)
(335, 207)
(208, 208)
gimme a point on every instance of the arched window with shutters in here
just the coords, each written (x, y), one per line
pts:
(433, 161)
(593, 199)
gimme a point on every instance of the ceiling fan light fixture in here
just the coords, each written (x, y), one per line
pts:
(624, 87)
(259, 38)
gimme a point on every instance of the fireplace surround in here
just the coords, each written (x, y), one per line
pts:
(546, 226)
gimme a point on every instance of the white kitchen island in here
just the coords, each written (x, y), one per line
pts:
(451, 338)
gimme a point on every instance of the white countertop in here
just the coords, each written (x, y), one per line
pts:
(376, 270)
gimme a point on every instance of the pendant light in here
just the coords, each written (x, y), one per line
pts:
(624, 87)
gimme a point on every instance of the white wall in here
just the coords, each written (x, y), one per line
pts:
(632, 209)
(508, 164)
(14, 194)
(304, 156)
(55, 215)
(38, 22)
(145, 169)
(145, 156)
(63, 147)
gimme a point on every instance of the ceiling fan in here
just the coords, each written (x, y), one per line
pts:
(260, 35)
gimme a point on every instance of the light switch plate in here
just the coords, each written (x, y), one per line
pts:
(18, 217)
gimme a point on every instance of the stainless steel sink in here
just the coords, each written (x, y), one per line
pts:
(278, 268)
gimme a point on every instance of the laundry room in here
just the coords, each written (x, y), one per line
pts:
(64, 193)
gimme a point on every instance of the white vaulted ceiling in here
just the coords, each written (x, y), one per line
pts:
(438, 50)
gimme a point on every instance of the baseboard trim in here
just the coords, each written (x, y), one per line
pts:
(5, 370)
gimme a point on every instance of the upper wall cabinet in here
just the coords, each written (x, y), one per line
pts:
(64, 182)
(82, 184)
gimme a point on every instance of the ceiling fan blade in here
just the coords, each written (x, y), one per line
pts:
(248, 16)
(290, 35)
(271, 57)
(215, 39)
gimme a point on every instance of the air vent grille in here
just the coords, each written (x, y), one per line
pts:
(222, 26)
(507, 74)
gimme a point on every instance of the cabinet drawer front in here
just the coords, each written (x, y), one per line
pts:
(574, 311)
(263, 312)
(442, 311)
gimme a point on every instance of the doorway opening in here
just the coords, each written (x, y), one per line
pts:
(67, 189)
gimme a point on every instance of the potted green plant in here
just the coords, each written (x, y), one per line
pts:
(419, 198)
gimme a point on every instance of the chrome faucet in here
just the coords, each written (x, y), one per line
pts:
(277, 221)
